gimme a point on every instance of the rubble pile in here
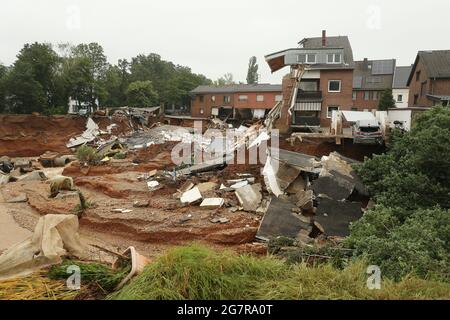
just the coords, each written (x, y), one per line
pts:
(130, 191)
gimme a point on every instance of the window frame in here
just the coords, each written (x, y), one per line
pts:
(278, 97)
(226, 99)
(399, 97)
(258, 96)
(335, 91)
(330, 114)
(368, 95)
(354, 95)
(311, 54)
(241, 99)
(333, 60)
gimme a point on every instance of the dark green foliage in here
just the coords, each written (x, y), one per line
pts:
(409, 229)
(103, 275)
(30, 86)
(386, 101)
(415, 172)
(43, 81)
(420, 244)
(252, 73)
(141, 94)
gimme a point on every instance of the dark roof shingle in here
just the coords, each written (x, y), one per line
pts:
(401, 76)
(373, 74)
(437, 63)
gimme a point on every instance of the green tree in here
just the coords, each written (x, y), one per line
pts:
(409, 230)
(31, 86)
(386, 100)
(85, 73)
(141, 94)
(115, 84)
(225, 80)
(252, 73)
(3, 72)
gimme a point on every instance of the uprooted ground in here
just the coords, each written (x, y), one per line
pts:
(153, 220)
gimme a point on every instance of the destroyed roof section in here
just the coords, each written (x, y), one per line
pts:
(235, 88)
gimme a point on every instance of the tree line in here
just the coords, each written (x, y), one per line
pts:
(43, 78)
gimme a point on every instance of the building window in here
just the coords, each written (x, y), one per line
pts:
(423, 88)
(278, 98)
(330, 110)
(354, 109)
(226, 99)
(200, 98)
(416, 98)
(375, 95)
(311, 58)
(418, 75)
(366, 110)
(301, 58)
(202, 111)
(213, 98)
(366, 95)
(243, 98)
(334, 58)
(400, 98)
(334, 86)
(259, 98)
(354, 95)
(308, 85)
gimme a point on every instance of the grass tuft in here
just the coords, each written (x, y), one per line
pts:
(197, 272)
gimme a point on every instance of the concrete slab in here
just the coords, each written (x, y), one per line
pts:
(279, 220)
(249, 196)
(207, 186)
(336, 216)
(191, 196)
(212, 203)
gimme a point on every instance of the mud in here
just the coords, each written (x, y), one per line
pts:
(31, 135)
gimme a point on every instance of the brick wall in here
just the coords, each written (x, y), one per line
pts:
(342, 99)
(415, 87)
(215, 100)
(360, 103)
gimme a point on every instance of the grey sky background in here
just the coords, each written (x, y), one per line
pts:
(215, 37)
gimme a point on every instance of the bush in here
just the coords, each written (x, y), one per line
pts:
(419, 245)
(409, 229)
(87, 154)
(197, 272)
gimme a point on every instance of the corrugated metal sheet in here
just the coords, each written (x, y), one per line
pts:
(308, 106)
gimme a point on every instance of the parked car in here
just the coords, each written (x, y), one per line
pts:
(367, 132)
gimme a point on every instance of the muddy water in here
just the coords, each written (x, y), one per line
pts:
(10, 231)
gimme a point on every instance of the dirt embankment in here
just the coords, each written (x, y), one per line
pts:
(321, 147)
(30, 135)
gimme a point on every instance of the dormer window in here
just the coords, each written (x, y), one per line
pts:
(334, 58)
(311, 58)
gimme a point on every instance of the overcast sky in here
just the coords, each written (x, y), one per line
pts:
(215, 37)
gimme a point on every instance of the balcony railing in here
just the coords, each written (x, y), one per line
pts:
(309, 96)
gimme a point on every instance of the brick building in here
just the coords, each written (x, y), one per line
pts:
(370, 79)
(240, 101)
(325, 67)
(429, 80)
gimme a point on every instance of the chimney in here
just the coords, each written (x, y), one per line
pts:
(324, 38)
(366, 63)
